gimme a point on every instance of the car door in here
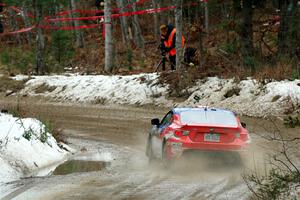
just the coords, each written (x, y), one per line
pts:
(158, 136)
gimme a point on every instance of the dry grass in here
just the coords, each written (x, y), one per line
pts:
(214, 65)
(57, 133)
(280, 71)
(44, 88)
(6, 83)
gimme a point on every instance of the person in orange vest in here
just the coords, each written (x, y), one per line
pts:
(168, 44)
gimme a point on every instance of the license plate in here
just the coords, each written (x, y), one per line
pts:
(212, 137)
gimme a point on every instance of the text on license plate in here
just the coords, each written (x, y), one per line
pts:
(212, 137)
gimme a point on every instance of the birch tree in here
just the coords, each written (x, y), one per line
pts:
(156, 20)
(139, 39)
(24, 15)
(109, 64)
(78, 33)
(178, 23)
(124, 23)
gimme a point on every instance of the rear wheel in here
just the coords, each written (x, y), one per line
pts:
(149, 151)
(234, 159)
(167, 156)
(237, 160)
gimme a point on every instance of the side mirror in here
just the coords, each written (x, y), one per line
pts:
(244, 125)
(155, 122)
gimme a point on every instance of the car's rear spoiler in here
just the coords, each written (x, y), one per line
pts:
(208, 126)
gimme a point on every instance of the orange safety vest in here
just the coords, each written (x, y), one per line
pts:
(168, 43)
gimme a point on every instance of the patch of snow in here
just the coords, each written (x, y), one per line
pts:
(247, 97)
(20, 77)
(252, 98)
(135, 89)
(20, 156)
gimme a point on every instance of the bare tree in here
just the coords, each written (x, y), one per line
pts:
(206, 16)
(284, 172)
(109, 64)
(156, 20)
(247, 30)
(13, 23)
(124, 23)
(24, 15)
(78, 33)
(40, 40)
(178, 23)
(139, 39)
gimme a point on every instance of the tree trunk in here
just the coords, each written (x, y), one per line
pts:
(206, 16)
(78, 33)
(156, 21)
(288, 36)
(283, 28)
(163, 15)
(109, 64)
(246, 31)
(40, 41)
(178, 23)
(26, 22)
(13, 24)
(124, 23)
(139, 39)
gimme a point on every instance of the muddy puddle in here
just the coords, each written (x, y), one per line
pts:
(79, 166)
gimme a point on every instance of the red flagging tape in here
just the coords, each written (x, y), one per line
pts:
(69, 28)
(23, 30)
(17, 10)
(140, 2)
(125, 14)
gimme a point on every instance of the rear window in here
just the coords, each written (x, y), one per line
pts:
(225, 118)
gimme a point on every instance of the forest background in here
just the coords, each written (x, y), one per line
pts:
(233, 38)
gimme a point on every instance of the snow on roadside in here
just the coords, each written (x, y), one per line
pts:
(135, 89)
(25, 147)
(247, 97)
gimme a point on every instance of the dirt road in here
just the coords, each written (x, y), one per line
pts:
(119, 132)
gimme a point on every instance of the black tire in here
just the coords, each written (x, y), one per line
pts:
(234, 160)
(238, 162)
(149, 151)
(167, 163)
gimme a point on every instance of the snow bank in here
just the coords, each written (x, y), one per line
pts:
(135, 89)
(247, 97)
(25, 147)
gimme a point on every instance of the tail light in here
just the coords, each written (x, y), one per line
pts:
(178, 133)
(181, 133)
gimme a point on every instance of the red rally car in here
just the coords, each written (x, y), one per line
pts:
(204, 129)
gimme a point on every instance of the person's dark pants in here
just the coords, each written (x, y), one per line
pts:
(1, 27)
(164, 63)
(173, 62)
